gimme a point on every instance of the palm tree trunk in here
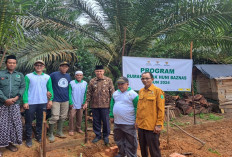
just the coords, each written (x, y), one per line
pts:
(3, 56)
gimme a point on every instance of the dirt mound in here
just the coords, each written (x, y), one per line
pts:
(216, 134)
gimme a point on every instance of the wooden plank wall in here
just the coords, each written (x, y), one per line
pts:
(204, 86)
(225, 94)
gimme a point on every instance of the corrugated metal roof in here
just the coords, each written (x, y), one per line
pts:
(215, 70)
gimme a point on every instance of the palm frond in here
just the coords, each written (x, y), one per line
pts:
(45, 48)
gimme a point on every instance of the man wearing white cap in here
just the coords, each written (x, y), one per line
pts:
(77, 99)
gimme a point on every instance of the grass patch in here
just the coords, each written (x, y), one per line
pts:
(190, 114)
(214, 151)
(202, 116)
(214, 117)
(207, 116)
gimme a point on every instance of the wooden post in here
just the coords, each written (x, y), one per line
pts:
(86, 127)
(44, 133)
(168, 118)
(194, 106)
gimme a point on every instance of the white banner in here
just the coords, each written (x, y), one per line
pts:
(169, 74)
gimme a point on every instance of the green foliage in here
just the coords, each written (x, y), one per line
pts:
(214, 117)
(214, 151)
(202, 116)
(86, 63)
(151, 28)
(191, 114)
(209, 116)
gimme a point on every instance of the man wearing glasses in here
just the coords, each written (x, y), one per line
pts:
(35, 99)
(150, 116)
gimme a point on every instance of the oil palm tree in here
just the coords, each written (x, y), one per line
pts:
(11, 32)
(130, 28)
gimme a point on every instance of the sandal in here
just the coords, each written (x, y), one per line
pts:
(1, 154)
(71, 133)
(12, 148)
(80, 131)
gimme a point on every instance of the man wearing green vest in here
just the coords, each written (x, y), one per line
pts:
(35, 99)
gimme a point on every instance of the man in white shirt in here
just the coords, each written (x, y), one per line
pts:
(123, 108)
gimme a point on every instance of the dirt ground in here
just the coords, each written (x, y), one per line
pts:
(216, 133)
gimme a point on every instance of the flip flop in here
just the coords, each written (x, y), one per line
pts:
(12, 148)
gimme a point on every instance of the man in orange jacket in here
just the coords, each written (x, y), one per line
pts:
(150, 116)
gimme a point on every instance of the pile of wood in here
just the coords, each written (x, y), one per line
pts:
(186, 104)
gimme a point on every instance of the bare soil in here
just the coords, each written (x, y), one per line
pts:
(216, 133)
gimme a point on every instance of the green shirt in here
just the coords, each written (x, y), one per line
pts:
(11, 85)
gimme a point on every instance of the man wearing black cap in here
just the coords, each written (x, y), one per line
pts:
(99, 92)
(12, 86)
(123, 108)
(60, 105)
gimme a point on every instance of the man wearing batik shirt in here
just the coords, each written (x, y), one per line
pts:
(99, 92)
(12, 86)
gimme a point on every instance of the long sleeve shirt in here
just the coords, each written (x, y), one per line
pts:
(123, 107)
(150, 111)
(100, 92)
(36, 88)
(11, 85)
(77, 93)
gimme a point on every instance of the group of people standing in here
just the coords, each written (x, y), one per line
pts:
(125, 108)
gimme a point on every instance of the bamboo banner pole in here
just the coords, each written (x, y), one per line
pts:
(124, 44)
(168, 119)
(194, 106)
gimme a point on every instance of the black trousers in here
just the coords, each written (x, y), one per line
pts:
(101, 115)
(34, 110)
(149, 139)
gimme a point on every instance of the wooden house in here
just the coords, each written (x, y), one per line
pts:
(214, 81)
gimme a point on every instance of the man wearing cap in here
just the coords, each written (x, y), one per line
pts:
(59, 111)
(123, 108)
(100, 91)
(35, 99)
(12, 86)
(77, 99)
(150, 116)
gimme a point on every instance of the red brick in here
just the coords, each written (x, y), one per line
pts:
(176, 155)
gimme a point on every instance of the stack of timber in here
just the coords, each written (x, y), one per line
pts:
(186, 105)
(170, 101)
(224, 85)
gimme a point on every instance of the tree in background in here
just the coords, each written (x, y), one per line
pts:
(126, 27)
(164, 27)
